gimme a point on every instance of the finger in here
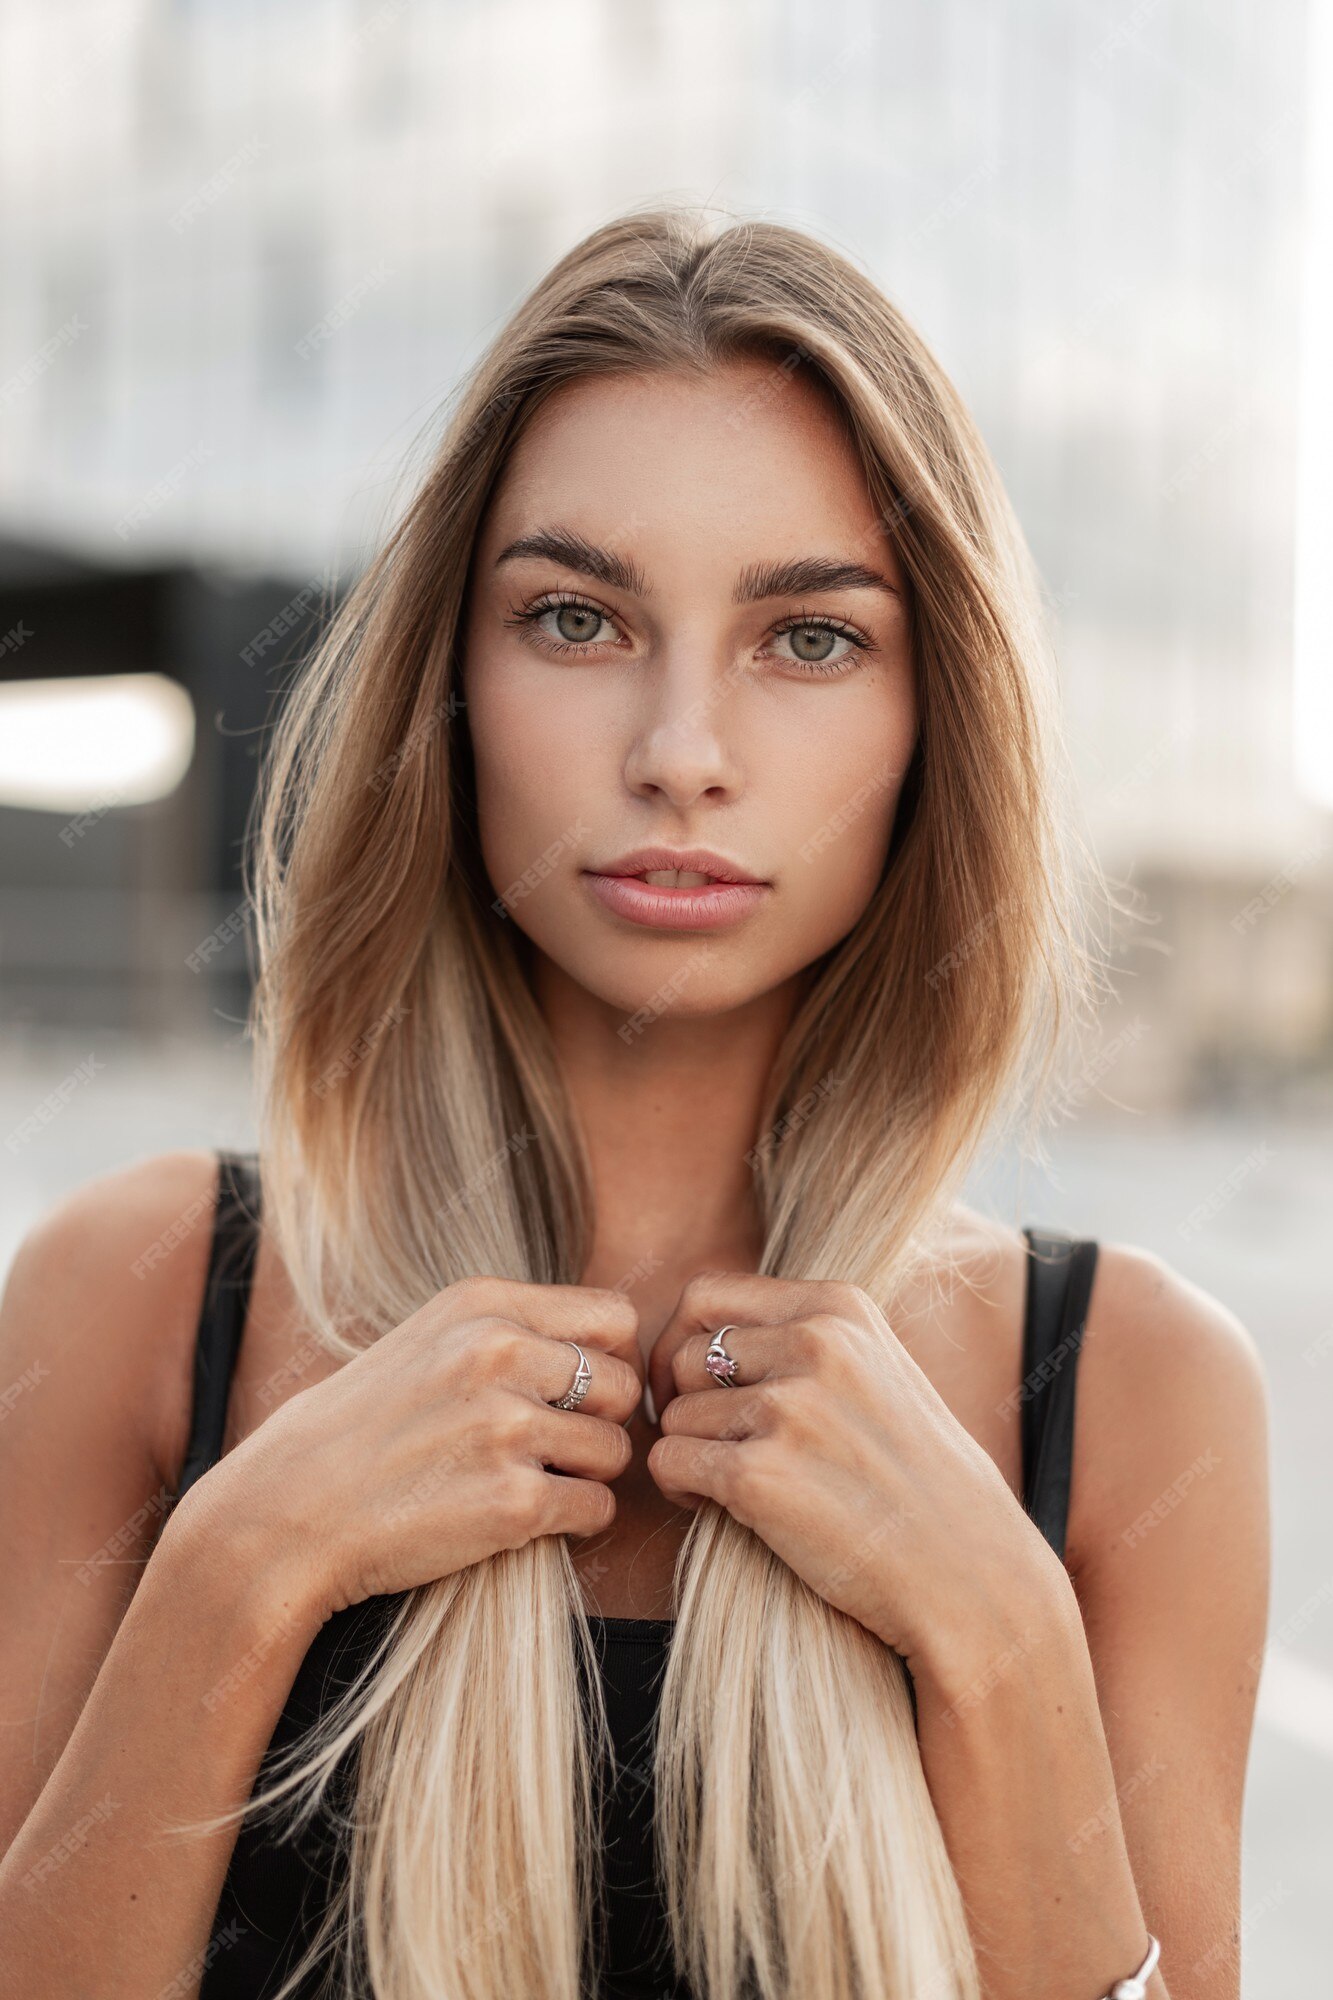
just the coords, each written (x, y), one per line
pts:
(586, 1446)
(549, 1369)
(689, 1470)
(593, 1315)
(575, 1506)
(719, 1298)
(729, 1417)
(758, 1351)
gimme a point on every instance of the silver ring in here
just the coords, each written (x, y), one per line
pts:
(721, 1365)
(578, 1388)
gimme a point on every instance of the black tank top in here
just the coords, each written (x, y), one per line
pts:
(275, 1890)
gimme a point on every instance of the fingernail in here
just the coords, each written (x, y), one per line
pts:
(648, 1403)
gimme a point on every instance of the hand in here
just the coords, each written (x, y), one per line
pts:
(835, 1448)
(427, 1451)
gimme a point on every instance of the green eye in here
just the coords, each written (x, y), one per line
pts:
(814, 641)
(576, 624)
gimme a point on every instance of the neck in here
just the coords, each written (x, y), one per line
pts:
(667, 1111)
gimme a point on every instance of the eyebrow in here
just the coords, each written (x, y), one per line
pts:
(756, 582)
(563, 546)
(806, 573)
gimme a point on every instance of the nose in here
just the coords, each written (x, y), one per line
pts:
(683, 743)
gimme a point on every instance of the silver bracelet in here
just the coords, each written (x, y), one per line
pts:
(1136, 1985)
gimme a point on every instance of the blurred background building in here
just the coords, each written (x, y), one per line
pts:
(249, 251)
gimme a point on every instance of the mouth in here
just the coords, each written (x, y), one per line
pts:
(677, 868)
(673, 878)
(669, 890)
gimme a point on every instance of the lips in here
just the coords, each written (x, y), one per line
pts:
(675, 899)
(674, 878)
(676, 868)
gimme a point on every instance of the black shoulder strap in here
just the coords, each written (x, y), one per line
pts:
(1060, 1274)
(231, 1266)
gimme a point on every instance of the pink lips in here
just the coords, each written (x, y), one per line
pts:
(731, 895)
(707, 909)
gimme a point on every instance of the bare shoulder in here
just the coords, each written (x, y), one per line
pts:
(103, 1295)
(1169, 1380)
(1171, 1391)
(961, 1319)
(96, 1327)
(1151, 1325)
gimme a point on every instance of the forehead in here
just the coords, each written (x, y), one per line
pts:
(746, 462)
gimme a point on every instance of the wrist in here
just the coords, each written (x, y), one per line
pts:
(222, 1545)
(1027, 1614)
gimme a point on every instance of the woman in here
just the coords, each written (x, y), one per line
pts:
(662, 889)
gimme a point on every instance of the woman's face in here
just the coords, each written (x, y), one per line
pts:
(686, 630)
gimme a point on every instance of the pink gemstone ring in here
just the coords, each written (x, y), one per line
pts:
(721, 1365)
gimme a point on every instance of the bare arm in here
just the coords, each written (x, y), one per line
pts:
(1088, 1759)
(108, 1643)
(93, 1887)
(1023, 1783)
(1084, 1743)
(122, 1714)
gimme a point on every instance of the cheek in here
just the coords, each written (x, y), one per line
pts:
(531, 762)
(847, 775)
(844, 802)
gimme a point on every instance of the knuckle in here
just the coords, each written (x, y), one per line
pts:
(852, 1299)
(623, 1400)
(828, 1336)
(773, 1400)
(481, 1294)
(726, 1468)
(747, 1467)
(611, 1309)
(696, 1291)
(519, 1500)
(687, 1357)
(577, 1506)
(606, 1443)
(666, 1453)
(615, 1442)
(599, 1506)
(669, 1418)
(807, 1415)
(820, 1404)
(809, 1340)
(614, 1384)
(505, 1420)
(500, 1344)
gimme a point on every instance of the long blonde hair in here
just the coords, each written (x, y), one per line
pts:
(415, 1131)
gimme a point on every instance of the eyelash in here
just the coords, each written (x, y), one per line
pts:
(526, 620)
